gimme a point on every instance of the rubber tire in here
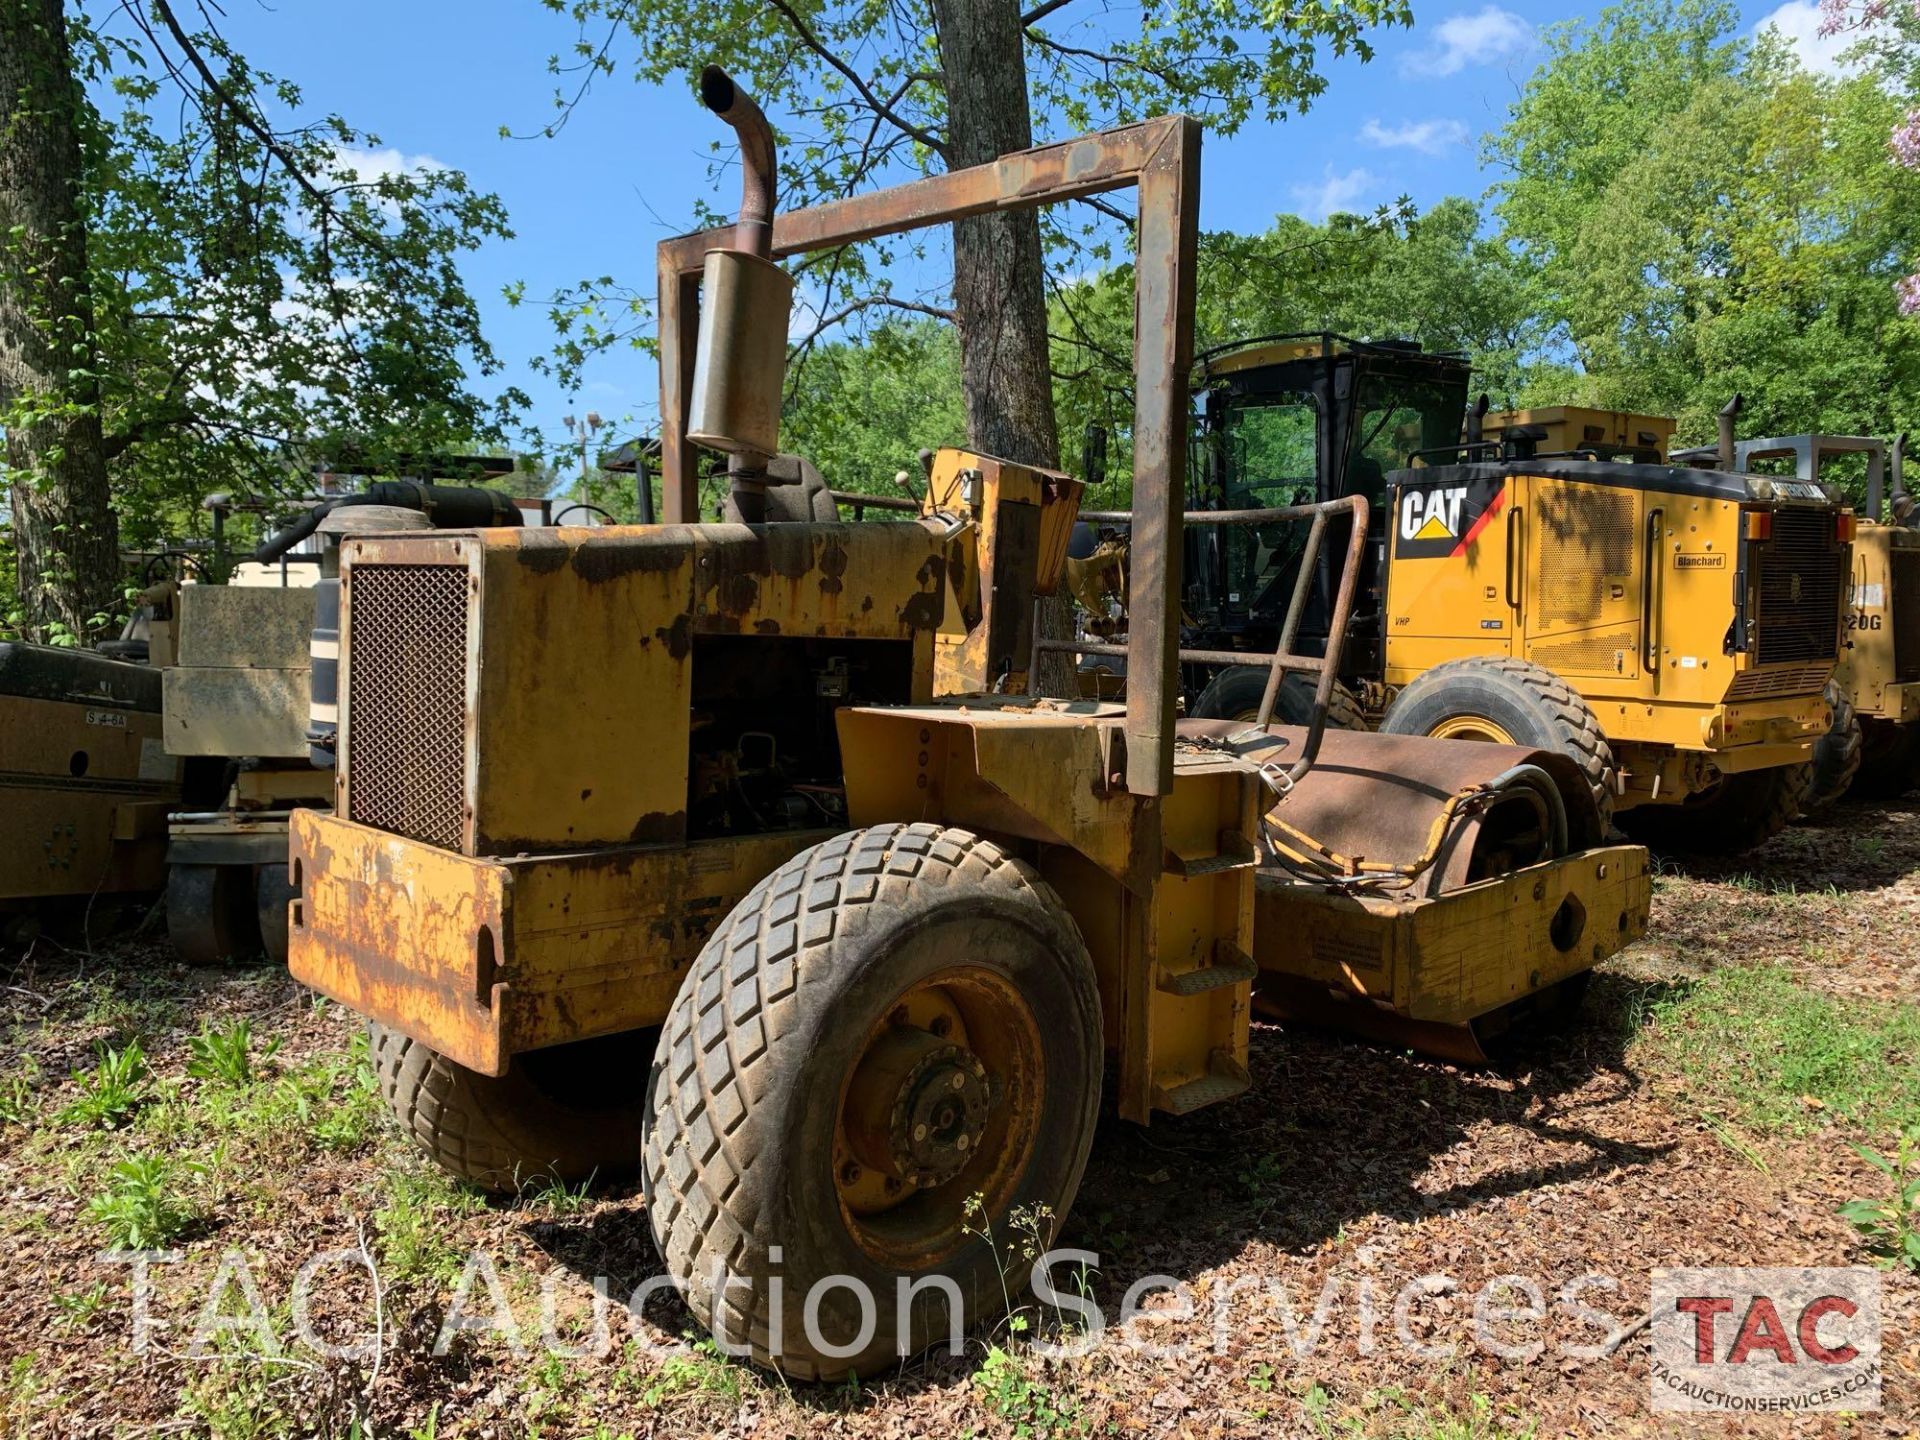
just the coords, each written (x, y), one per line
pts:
(1890, 760)
(765, 1028)
(272, 892)
(1738, 814)
(1528, 701)
(1235, 694)
(211, 915)
(1836, 756)
(559, 1114)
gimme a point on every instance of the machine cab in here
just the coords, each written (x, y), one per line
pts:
(1294, 418)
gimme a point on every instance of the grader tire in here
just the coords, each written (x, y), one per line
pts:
(273, 891)
(1495, 697)
(1836, 756)
(755, 1173)
(1735, 815)
(573, 1113)
(1890, 760)
(211, 919)
(1235, 694)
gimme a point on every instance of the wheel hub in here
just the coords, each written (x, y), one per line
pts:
(919, 1107)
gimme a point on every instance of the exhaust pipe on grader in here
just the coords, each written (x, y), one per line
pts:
(837, 965)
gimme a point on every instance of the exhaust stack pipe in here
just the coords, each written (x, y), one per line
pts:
(1898, 503)
(1727, 412)
(753, 231)
(1477, 418)
(740, 362)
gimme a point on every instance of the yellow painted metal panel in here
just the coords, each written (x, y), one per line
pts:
(483, 958)
(1451, 959)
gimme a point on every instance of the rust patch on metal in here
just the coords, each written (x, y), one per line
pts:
(833, 565)
(922, 612)
(542, 553)
(739, 593)
(766, 627)
(597, 561)
(787, 551)
(660, 828)
(679, 636)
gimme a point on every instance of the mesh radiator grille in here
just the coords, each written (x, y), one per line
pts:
(407, 700)
(1798, 579)
(1904, 616)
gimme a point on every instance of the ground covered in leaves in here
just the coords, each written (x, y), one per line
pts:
(1704, 1110)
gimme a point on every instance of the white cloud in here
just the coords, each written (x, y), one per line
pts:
(1479, 38)
(1798, 22)
(372, 166)
(1342, 192)
(1429, 137)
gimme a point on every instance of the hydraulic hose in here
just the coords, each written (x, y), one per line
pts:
(450, 507)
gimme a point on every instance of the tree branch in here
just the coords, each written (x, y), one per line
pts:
(1041, 11)
(248, 120)
(868, 302)
(874, 102)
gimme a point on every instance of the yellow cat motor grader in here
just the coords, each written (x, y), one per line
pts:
(1672, 628)
(684, 793)
(1873, 749)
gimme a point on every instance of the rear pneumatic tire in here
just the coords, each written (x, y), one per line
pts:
(1836, 755)
(1235, 694)
(1515, 702)
(1730, 817)
(890, 1025)
(572, 1113)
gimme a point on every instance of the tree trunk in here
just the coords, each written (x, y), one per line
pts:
(999, 285)
(63, 523)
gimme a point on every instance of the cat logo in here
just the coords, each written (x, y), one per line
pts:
(1442, 520)
(1432, 514)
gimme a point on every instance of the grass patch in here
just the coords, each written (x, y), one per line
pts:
(412, 1223)
(1754, 1046)
(1393, 1415)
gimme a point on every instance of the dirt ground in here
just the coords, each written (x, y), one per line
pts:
(1592, 1153)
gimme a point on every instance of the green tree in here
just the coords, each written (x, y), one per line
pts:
(862, 411)
(879, 91)
(1702, 216)
(236, 293)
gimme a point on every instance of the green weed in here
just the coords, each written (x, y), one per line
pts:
(17, 1105)
(1891, 1224)
(112, 1091)
(225, 1053)
(1031, 1406)
(80, 1308)
(410, 1223)
(139, 1209)
(1393, 1413)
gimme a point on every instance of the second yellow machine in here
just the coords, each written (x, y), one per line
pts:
(1673, 628)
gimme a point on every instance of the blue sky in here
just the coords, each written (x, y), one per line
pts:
(436, 80)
